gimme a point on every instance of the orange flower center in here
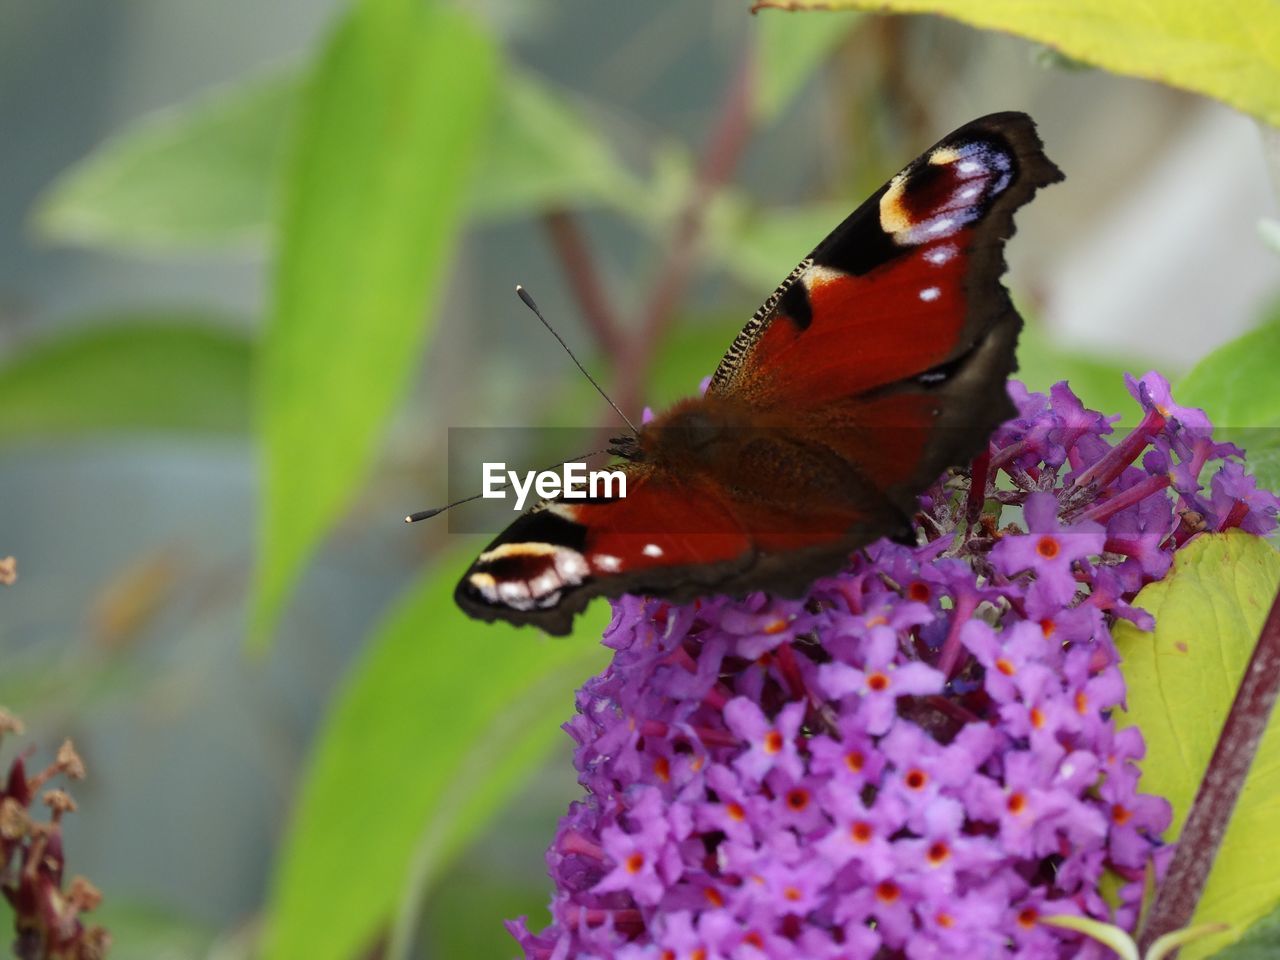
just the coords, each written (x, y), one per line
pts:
(1006, 667)
(798, 799)
(878, 681)
(862, 832)
(938, 853)
(635, 863)
(918, 591)
(1120, 814)
(916, 779)
(662, 769)
(1048, 547)
(854, 760)
(887, 891)
(773, 742)
(1017, 803)
(735, 811)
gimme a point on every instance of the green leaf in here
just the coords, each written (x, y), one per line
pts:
(204, 174)
(146, 932)
(162, 374)
(1230, 52)
(1260, 942)
(1181, 681)
(198, 175)
(386, 137)
(1237, 387)
(1098, 381)
(760, 247)
(544, 152)
(438, 725)
(790, 50)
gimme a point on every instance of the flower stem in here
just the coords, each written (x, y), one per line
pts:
(1223, 780)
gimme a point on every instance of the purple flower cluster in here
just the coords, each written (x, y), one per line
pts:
(917, 759)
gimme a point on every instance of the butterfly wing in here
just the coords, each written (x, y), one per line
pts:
(894, 338)
(879, 362)
(677, 535)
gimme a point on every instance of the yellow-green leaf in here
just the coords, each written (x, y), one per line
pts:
(1182, 680)
(388, 129)
(1230, 51)
(439, 724)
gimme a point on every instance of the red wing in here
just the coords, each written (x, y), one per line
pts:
(673, 537)
(909, 283)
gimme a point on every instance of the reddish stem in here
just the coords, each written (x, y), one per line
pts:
(584, 281)
(1135, 494)
(978, 487)
(1223, 780)
(723, 150)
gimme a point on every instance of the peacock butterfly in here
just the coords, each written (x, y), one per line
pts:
(877, 364)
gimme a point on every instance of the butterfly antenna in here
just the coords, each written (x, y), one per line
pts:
(523, 294)
(436, 511)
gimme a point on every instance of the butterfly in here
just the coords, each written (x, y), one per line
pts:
(877, 364)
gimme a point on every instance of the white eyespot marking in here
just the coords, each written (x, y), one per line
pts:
(571, 566)
(606, 562)
(968, 193)
(545, 583)
(818, 276)
(553, 569)
(562, 510)
(652, 550)
(940, 255)
(515, 593)
(929, 294)
(969, 166)
(941, 226)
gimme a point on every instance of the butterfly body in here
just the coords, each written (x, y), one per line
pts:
(879, 362)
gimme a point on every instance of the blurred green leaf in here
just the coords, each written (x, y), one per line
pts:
(167, 373)
(760, 247)
(203, 174)
(1237, 387)
(1231, 53)
(543, 153)
(439, 724)
(1260, 942)
(791, 49)
(197, 175)
(386, 137)
(1181, 681)
(468, 911)
(141, 932)
(1098, 381)
(691, 352)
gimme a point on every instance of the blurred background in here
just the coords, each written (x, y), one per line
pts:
(257, 259)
